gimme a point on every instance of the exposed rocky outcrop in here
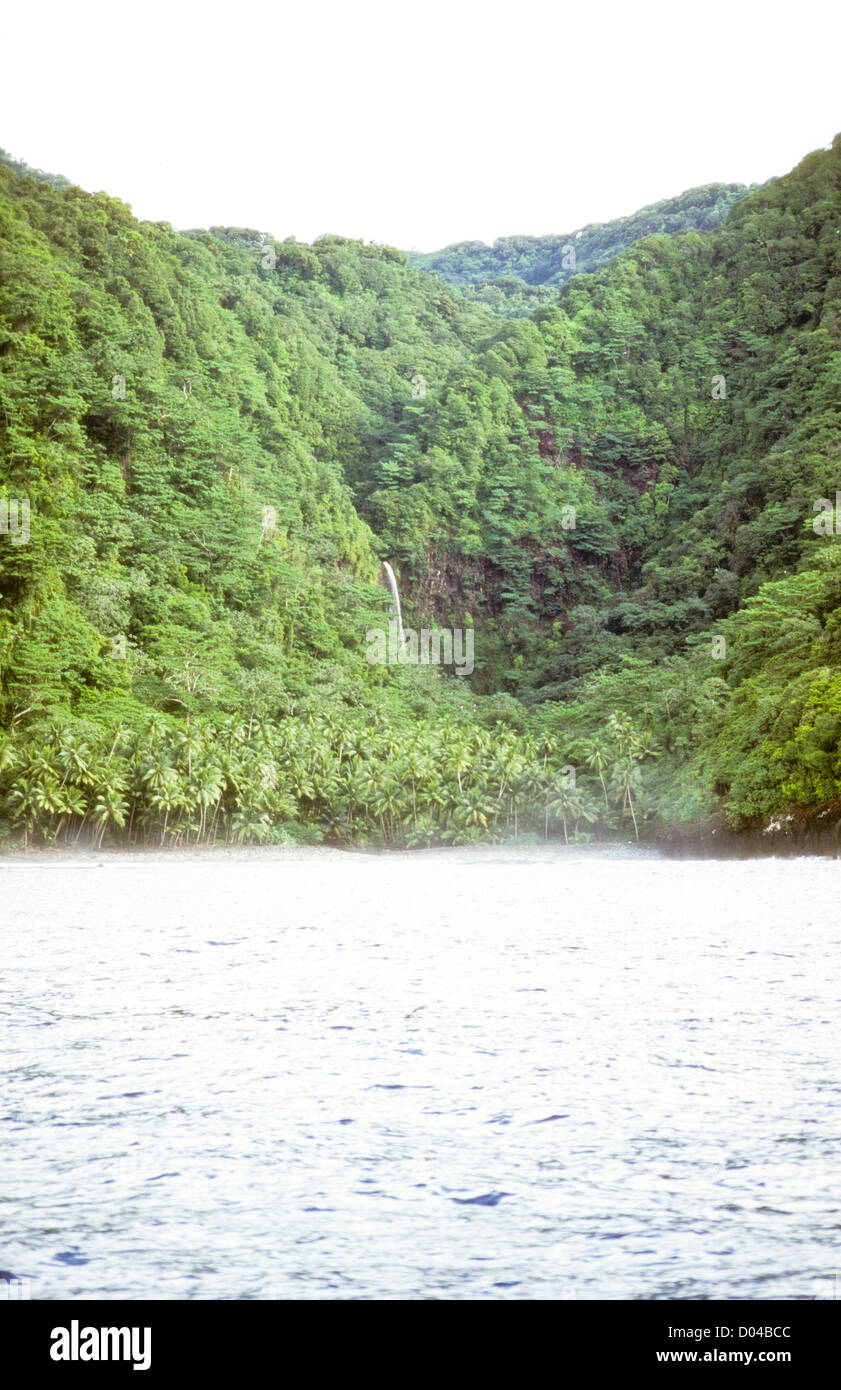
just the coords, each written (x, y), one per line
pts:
(795, 830)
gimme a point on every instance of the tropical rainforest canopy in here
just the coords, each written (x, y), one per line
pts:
(618, 469)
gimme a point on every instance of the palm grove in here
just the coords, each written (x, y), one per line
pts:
(220, 436)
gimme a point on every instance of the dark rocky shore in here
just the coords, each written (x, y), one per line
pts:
(795, 830)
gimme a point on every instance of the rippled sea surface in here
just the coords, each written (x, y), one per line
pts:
(502, 1073)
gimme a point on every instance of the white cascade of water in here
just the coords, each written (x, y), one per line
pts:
(392, 584)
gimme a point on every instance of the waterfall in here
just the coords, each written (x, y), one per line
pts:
(392, 584)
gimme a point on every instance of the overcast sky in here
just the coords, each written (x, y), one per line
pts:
(414, 124)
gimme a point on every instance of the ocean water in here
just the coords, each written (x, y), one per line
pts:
(485, 1074)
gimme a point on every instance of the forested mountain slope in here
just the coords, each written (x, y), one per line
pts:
(220, 436)
(518, 274)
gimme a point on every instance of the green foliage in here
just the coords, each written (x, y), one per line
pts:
(219, 436)
(518, 274)
(348, 778)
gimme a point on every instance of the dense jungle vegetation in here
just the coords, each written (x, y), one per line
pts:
(210, 440)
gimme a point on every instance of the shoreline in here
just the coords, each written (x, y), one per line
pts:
(795, 832)
(798, 832)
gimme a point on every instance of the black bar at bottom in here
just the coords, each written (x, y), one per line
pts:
(234, 1338)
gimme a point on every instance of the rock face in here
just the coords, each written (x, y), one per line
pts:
(796, 830)
(804, 830)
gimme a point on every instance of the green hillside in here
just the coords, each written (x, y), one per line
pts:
(210, 440)
(518, 274)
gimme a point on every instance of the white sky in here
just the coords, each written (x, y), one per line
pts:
(414, 124)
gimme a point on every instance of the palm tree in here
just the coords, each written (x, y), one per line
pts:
(571, 801)
(473, 810)
(208, 784)
(109, 805)
(624, 780)
(631, 747)
(595, 757)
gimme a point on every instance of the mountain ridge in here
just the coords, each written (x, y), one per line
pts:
(534, 265)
